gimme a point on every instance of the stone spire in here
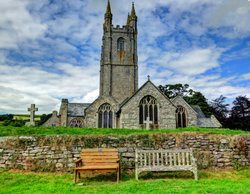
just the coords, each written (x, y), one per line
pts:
(133, 14)
(108, 16)
(133, 18)
(128, 19)
(108, 10)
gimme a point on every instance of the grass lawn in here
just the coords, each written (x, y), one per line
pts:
(210, 182)
(25, 117)
(17, 131)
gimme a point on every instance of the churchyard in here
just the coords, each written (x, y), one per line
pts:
(59, 143)
(211, 181)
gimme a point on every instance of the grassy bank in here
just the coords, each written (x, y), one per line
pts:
(18, 131)
(209, 182)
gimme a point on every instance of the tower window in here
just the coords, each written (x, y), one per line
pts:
(121, 44)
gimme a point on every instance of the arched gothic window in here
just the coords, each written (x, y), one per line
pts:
(148, 110)
(105, 116)
(76, 122)
(181, 117)
(120, 44)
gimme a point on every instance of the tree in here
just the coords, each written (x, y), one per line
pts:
(192, 97)
(240, 113)
(172, 91)
(220, 109)
(44, 118)
(6, 117)
(199, 99)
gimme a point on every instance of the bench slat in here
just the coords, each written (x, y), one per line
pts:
(165, 160)
(98, 160)
(99, 157)
(99, 150)
(100, 154)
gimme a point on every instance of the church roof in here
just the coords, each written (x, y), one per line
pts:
(197, 109)
(178, 97)
(77, 109)
(128, 99)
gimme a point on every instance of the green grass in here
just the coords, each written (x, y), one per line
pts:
(25, 117)
(17, 131)
(225, 182)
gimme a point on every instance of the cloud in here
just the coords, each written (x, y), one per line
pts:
(17, 24)
(50, 50)
(21, 86)
(193, 62)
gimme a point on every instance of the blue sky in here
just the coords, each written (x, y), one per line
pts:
(50, 49)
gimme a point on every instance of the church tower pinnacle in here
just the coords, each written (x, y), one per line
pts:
(119, 69)
(108, 16)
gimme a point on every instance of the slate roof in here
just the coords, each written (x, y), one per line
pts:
(197, 109)
(77, 109)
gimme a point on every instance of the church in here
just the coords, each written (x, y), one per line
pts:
(121, 104)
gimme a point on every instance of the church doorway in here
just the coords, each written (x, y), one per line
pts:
(105, 116)
(181, 117)
(77, 123)
(148, 112)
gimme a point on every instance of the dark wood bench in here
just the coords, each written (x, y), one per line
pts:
(101, 160)
(165, 160)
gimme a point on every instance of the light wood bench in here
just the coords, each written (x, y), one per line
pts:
(165, 160)
(98, 160)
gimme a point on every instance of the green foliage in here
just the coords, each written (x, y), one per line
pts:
(210, 182)
(240, 114)
(44, 118)
(20, 131)
(199, 99)
(172, 91)
(220, 109)
(6, 117)
(14, 123)
(192, 97)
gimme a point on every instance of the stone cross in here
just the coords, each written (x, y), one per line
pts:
(32, 111)
(147, 122)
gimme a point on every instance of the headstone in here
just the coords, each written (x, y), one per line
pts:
(147, 122)
(32, 111)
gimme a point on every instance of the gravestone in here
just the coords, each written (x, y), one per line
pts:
(32, 111)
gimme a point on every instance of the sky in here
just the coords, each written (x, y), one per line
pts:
(50, 49)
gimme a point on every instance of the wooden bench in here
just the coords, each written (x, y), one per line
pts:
(165, 160)
(98, 160)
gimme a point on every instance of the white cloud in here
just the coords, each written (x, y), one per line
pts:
(245, 76)
(21, 86)
(17, 24)
(59, 45)
(191, 62)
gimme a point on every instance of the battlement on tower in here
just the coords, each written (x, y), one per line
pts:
(118, 27)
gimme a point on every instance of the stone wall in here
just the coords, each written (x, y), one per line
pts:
(130, 110)
(191, 114)
(58, 153)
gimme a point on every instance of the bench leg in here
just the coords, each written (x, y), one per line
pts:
(118, 176)
(136, 174)
(75, 177)
(195, 175)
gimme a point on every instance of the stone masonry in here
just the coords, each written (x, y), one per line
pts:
(58, 153)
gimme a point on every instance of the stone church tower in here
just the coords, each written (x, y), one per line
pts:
(119, 68)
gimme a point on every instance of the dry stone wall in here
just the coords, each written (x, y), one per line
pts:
(58, 153)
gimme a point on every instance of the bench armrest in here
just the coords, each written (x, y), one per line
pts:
(78, 163)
